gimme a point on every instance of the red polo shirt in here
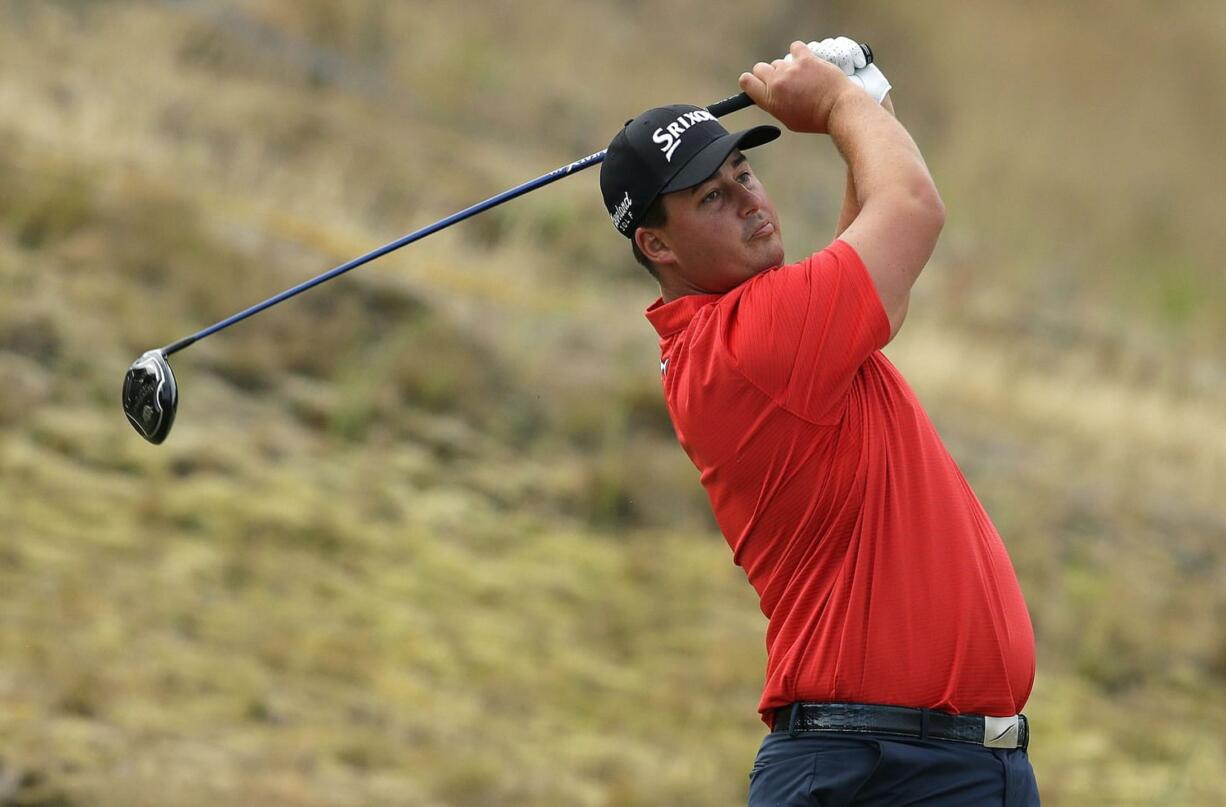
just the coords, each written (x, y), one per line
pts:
(883, 579)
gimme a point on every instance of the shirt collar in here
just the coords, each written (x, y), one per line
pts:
(670, 317)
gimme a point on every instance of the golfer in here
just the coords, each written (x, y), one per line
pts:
(899, 649)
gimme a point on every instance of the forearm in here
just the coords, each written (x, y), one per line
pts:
(851, 205)
(884, 164)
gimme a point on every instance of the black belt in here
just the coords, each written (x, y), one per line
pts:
(861, 718)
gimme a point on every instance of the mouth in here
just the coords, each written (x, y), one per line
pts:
(763, 230)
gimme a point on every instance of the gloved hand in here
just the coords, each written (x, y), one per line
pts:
(873, 81)
(847, 55)
(842, 52)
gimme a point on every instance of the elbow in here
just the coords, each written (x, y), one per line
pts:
(937, 211)
(927, 208)
(921, 207)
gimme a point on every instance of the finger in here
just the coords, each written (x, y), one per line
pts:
(799, 50)
(753, 86)
(762, 71)
(822, 50)
(857, 52)
(847, 51)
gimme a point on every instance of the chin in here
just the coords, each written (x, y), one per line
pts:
(772, 257)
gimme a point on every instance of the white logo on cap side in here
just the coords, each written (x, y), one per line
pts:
(621, 214)
(669, 137)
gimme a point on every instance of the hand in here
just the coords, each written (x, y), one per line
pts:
(847, 55)
(842, 52)
(873, 81)
(798, 91)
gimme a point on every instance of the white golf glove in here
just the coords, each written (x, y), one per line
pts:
(847, 55)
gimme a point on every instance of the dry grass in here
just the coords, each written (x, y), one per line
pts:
(425, 538)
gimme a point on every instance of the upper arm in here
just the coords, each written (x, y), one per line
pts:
(894, 237)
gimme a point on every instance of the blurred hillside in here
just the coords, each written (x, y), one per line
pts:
(424, 537)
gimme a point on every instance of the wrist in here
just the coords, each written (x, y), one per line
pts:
(845, 99)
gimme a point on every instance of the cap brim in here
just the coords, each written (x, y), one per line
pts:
(706, 162)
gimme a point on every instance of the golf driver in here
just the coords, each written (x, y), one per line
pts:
(150, 393)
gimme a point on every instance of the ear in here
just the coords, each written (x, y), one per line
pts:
(652, 243)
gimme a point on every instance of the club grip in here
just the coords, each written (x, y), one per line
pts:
(735, 103)
(731, 104)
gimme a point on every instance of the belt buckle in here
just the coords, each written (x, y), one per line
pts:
(1001, 732)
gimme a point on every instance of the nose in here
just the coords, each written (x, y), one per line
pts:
(750, 200)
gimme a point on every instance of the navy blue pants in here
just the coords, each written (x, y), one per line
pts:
(873, 769)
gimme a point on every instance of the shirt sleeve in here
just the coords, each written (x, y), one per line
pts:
(801, 332)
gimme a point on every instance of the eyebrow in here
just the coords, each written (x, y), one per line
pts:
(736, 161)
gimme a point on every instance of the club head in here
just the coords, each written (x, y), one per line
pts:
(150, 396)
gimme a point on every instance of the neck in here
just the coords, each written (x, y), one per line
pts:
(672, 286)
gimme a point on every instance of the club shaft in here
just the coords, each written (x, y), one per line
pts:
(718, 109)
(493, 201)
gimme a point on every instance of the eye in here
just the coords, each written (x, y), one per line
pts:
(711, 196)
(743, 177)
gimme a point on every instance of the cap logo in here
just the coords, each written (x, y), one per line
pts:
(669, 137)
(621, 215)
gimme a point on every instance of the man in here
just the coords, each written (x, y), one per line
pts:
(900, 652)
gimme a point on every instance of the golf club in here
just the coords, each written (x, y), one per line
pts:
(150, 393)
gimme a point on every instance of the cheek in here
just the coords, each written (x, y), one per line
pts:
(713, 253)
(705, 240)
